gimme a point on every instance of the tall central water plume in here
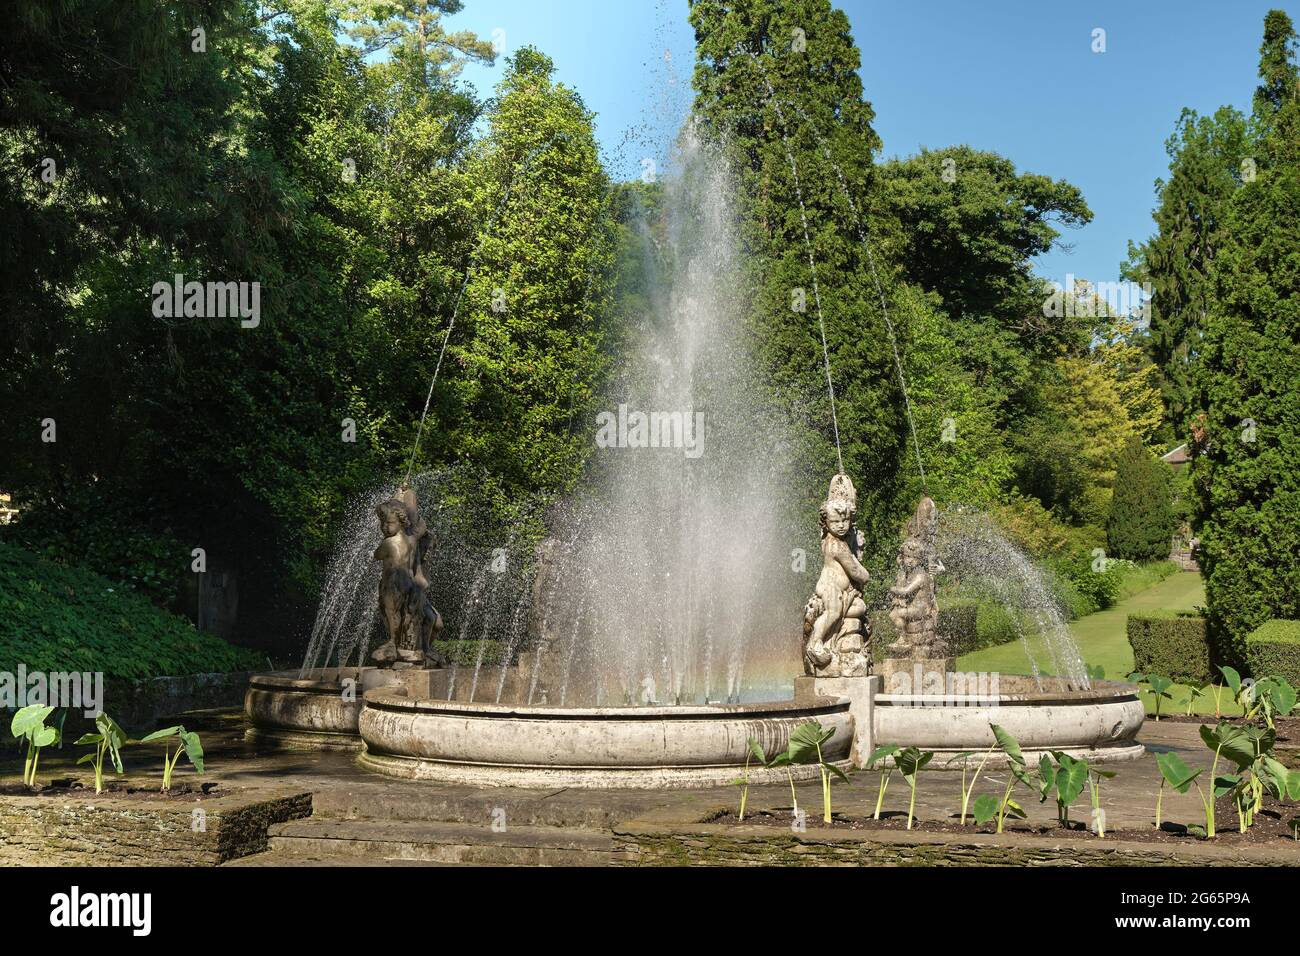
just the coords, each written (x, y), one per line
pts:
(673, 565)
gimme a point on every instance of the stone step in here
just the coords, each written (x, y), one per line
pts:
(446, 843)
(398, 800)
(291, 859)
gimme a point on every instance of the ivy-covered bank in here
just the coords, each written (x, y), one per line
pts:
(55, 617)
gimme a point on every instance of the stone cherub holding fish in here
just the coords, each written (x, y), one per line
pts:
(913, 607)
(410, 620)
(836, 632)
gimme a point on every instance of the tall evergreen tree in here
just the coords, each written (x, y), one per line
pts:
(529, 358)
(1246, 468)
(1140, 525)
(1209, 158)
(777, 87)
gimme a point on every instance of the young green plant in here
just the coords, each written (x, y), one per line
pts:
(1158, 686)
(187, 744)
(806, 748)
(1067, 776)
(28, 724)
(910, 762)
(1195, 688)
(108, 741)
(753, 751)
(985, 810)
(1175, 772)
(879, 755)
(967, 790)
(1096, 776)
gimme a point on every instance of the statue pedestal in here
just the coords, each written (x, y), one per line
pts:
(912, 675)
(861, 692)
(408, 681)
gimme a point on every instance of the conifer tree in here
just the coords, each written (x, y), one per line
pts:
(1246, 468)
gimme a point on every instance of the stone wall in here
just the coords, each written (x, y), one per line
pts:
(94, 831)
(712, 845)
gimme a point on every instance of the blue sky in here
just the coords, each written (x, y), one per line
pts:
(1015, 76)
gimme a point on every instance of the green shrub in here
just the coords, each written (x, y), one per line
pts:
(996, 625)
(958, 625)
(1273, 650)
(1170, 644)
(58, 618)
(104, 529)
(1135, 578)
(1095, 579)
(466, 653)
(1140, 526)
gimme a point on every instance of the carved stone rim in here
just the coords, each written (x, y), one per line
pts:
(778, 708)
(1101, 692)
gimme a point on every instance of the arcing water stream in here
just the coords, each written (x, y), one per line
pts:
(668, 576)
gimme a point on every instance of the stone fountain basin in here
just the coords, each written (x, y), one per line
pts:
(1100, 723)
(636, 747)
(287, 710)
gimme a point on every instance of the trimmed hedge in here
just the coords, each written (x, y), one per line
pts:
(1172, 645)
(59, 618)
(1273, 650)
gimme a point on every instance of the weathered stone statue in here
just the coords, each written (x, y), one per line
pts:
(913, 607)
(836, 633)
(410, 619)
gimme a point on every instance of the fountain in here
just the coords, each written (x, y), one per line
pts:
(654, 633)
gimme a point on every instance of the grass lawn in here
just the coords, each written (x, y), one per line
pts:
(1103, 641)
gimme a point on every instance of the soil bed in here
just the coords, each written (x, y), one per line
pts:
(74, 789)
(1271, 824)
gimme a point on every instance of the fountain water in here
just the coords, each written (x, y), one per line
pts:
(644, 642)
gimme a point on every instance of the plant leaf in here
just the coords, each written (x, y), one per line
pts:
(1233, 678)
(160, 734)
(193, 749)
(1175, 771)
(1009, 745)
(1070, 781)
(805, 740)
(985, 808)
(880, 753)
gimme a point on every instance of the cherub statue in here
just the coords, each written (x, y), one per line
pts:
(836, 632)
(410, 619)
(913, 607)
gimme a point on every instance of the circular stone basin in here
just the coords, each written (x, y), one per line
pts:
(634, 747)
(296, 712)
(1100, 723)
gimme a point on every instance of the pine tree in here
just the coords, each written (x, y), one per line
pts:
(1141, 524)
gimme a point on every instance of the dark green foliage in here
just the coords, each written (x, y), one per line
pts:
(958, 625)
(1205, 170)
(1246, 469)
(1140, 525)
(970, 625)
(59, 618)
(1174, 645)
(467, 653)
(355, 191)
(817, 110)
(1273, 650)
(965, 224)
(114, 535)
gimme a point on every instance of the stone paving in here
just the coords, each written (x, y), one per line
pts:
(395, 818)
